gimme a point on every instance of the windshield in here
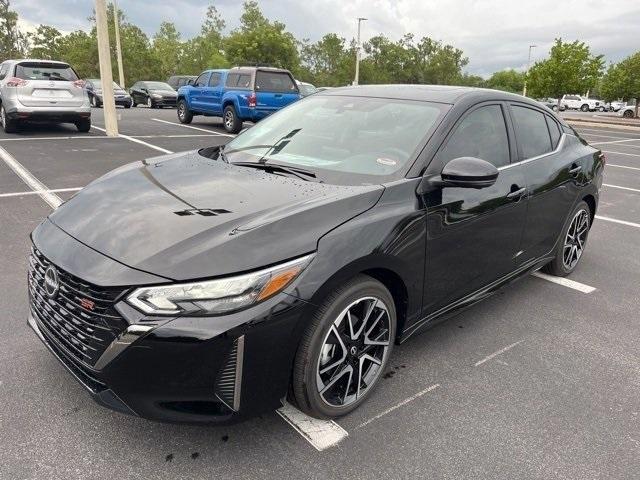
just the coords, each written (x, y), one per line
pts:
(98, 84)
(45, 71)
(344, 140)
(158, 86)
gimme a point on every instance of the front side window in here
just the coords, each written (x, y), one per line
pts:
(344, 140)
(531, 132)
(201, 81)
(481, 134)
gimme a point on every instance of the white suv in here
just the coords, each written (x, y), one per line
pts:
(42, 90)
(577, 102)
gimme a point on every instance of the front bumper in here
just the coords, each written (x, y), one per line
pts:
(185, 369)
(165, 101)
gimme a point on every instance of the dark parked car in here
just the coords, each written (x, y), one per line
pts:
(153, 94)
(209, 285)
(178, 81)
(94, 90)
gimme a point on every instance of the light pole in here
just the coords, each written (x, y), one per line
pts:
(526, 75)
(104, 57)
(116, 21)
(355, 81)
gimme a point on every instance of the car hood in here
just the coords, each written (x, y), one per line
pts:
(184, 216)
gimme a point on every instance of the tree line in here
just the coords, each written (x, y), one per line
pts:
(571, 67)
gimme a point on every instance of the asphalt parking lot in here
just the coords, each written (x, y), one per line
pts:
(539, 381)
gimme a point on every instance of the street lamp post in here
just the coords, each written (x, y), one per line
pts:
(104, 58)
(526, 75)
(355, 81)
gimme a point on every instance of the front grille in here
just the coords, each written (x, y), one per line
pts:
(80, 319)
(229, 378)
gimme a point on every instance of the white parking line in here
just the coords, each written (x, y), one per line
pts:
(615, 220)
(135, 140)
(38, 192)
(622, 153)
(322, 434)
(565, 282)
(622, 166)
(187, 135)
(495, 354)
(398, 405)
(193, 128)
(616, 141)
(24, 139)
(621, 188)
(27, 177)
(585, 134)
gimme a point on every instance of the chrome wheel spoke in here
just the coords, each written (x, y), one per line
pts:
(342, 357)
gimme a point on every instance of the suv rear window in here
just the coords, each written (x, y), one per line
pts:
(45, 71)
(279, 82)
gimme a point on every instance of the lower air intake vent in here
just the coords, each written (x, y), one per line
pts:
(230, 377)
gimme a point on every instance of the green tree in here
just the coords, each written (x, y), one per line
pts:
(45, 43)
(205, 50)
(80, 49)
(469, 80)
(328, 62)
(623, 81)
(13, 42)
(570, 68)
(260, 41)
(507, 80)
(167, 49)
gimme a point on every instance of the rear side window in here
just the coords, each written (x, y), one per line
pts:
(244, 81)
(45, 71)
(277, 82)
(232, 79)
(481, 134)
(531, 131)
(214, 80)
(554, 131)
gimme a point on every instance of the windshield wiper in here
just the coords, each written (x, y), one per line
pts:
(274, 167)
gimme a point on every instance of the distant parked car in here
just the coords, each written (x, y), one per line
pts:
(94, 90)
(42, 90)
(153, 94)
(629, 111)
(306, 89)
(616, 106)
(552, 103)
(177, 81)
(237, 95)
(576, 102)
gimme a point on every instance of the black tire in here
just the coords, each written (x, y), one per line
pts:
(601, 109)
(83, 125)
(304, 388)
(230, 120)
(554, 108)
(628, 114)
(150, 103)
(9, 125)
(95, 103)
(127, 105)
(584, 108)
(184, 114)
(134, 103)
(558, 266)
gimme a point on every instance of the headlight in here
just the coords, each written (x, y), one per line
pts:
(155, 95)
(214, 297)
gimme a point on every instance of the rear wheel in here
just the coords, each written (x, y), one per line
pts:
(572, 242)
(184, 115)
(232, 123)
(83, 125)
(9, 125)
(628, 114)
(584, 108)
(345, 349)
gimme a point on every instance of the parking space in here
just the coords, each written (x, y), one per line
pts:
(539, 381)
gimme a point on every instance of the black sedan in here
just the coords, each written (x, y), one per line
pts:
(153, 94)
(94, 91)
(210, 285)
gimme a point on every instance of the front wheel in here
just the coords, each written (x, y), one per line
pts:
(232, 123)
(150, 103)
(94, 102)
(184, 114)
(584, 108)
(628, 114)
(572, 242)
(345, 349)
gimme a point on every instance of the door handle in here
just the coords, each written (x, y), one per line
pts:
(574, 170)
(517, 194)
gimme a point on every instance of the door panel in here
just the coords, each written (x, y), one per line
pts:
(212, 94)
(473, 235)
(196, 92)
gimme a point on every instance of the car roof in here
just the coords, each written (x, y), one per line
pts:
(20, 60)
(428, 93)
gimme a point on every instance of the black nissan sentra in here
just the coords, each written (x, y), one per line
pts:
(210, 285)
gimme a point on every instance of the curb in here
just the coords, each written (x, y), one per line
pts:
(620, 126)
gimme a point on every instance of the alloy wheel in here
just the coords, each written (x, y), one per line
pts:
(3, 120)
(149, 102)
(575, 239)
(228, 119)
(181, 110)
(353, 352)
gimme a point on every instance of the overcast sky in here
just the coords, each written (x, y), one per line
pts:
(494, 34)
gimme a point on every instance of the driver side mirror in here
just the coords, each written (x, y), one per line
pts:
(189, 82)
(463, 172)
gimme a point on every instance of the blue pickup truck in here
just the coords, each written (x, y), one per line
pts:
(237, 94)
